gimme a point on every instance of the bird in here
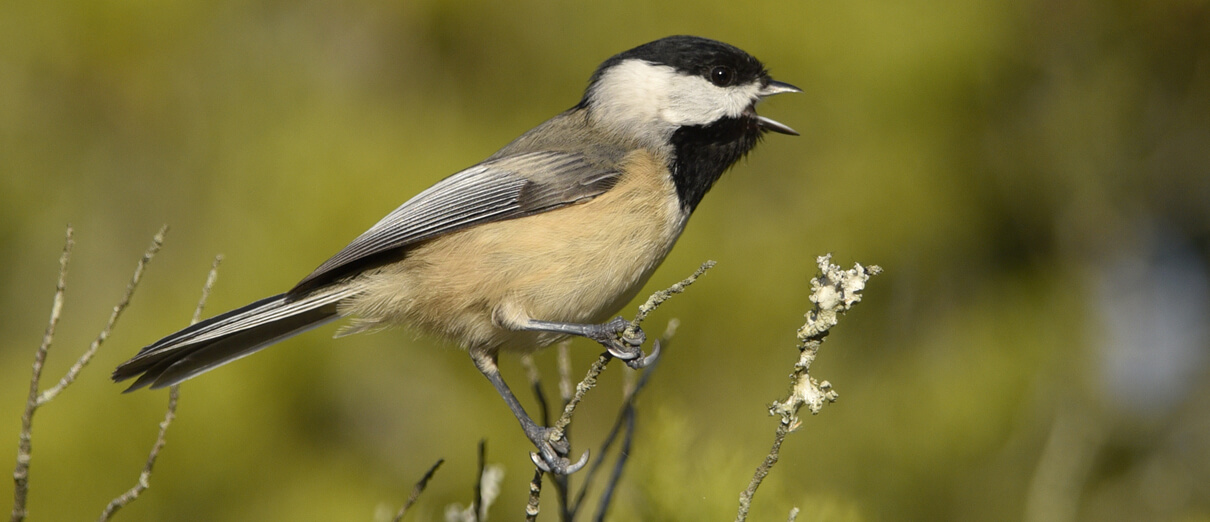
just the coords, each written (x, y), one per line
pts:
(544, 239)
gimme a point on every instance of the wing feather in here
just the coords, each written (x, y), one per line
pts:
(499, 189)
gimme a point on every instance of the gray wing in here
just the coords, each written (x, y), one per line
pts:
(495, 190)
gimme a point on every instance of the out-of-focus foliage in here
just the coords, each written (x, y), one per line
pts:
(1033, 176)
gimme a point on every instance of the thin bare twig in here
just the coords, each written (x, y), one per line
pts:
(535, 384)
(478, 505)
(572, 400)
(658, 298)
(36, 400)
(487, 489)
(417, 490)
(602, 454)
(24, 445)
(834, 292)
(560, 481)
(630, 415)
(174, 393)
(625, 419)
(75, 369)
(211, 278)
(564, 359)
(590, 380)
(618, 465)
(144, 481)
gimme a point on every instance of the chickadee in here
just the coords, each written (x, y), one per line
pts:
(546, 238)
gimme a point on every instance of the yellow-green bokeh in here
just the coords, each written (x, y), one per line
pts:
(1004, 161)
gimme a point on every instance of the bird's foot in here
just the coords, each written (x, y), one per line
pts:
(551, 456)
(612, 336)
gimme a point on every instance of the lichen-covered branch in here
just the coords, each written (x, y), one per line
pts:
(658, 298)
(834, 292)
(535, 495)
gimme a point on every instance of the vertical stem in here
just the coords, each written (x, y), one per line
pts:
(24, 445)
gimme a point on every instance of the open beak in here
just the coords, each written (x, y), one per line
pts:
(776, 87)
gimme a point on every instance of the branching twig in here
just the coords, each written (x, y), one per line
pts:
(174, 393)
(625, 419)
(834, 292)
(75, 369)
(36, 400)
(572, 400)
(590, 380)
(417, 490)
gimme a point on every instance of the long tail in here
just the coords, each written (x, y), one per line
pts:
(227, 337)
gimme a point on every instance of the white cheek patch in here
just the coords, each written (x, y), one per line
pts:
(650, 101)
(695, 101)
(631, 94)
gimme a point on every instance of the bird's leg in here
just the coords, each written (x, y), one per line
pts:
(610, 335)
(552, 454)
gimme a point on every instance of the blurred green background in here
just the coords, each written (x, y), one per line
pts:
(1034, 177)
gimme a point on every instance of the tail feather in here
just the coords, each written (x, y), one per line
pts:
(227, 337)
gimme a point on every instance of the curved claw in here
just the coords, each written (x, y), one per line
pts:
(579, 463)
(625, 354)
(562, 467)
(621, 346)
(643, 362)
(541, 464)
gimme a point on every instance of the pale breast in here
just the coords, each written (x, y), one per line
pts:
(579, 263)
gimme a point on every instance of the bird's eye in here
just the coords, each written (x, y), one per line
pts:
(721, 75)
